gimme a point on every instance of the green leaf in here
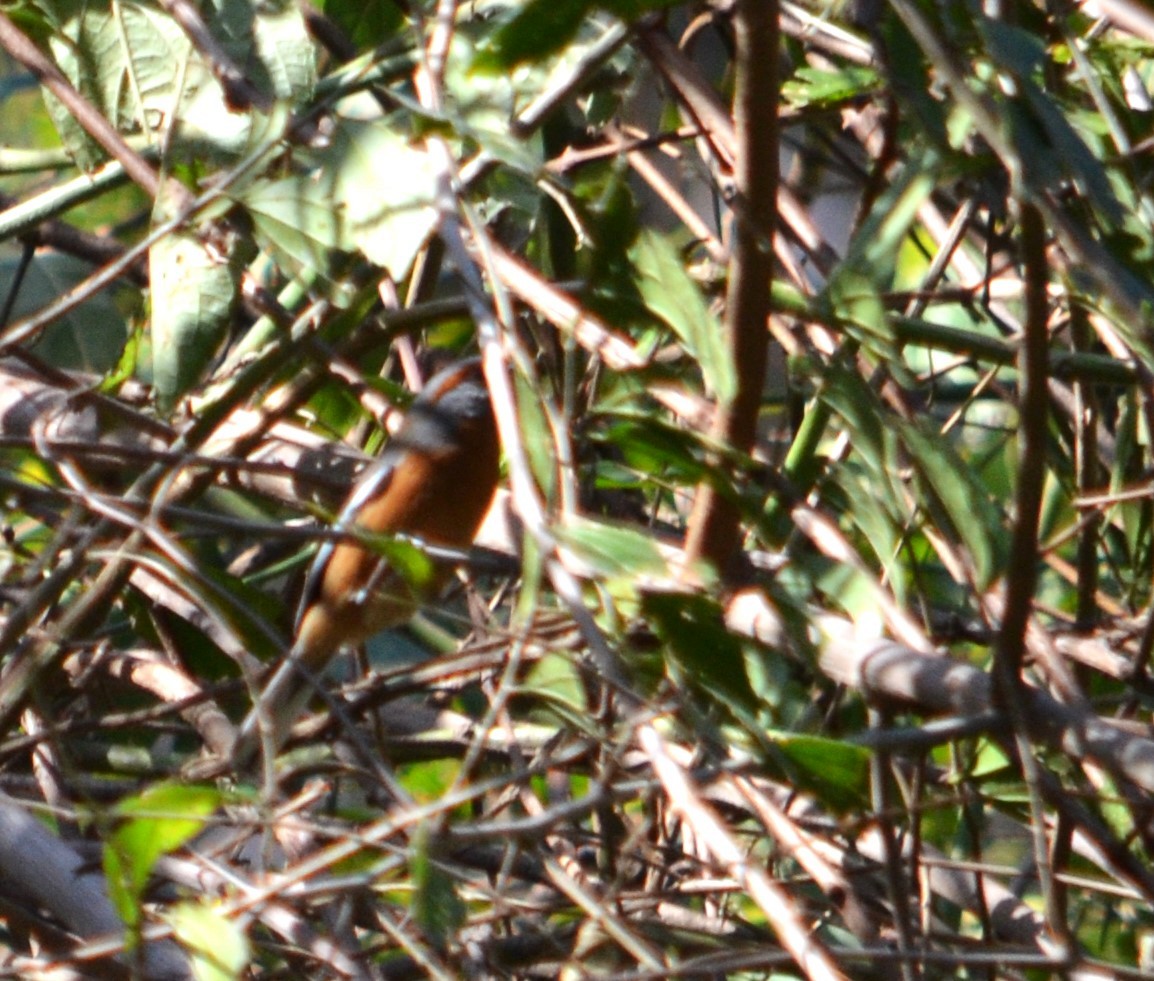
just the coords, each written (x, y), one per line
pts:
(838, 772)
(385, 189)
(671, 295)
(368, 190)
(653, 448)
(429, 780)
(871, 515)
(479, 107)
(193, 290)
(973, 516)
(614, 551)
(219, 948)
(135, 64)
(297, 221)
(126, 366)
(155, 822)
(913, 82)
(537, 438)
(538, 29)
(368, 23)
(1047, 145)
(700, 647)
(89, 50)
(849, 395)
(437, 908)
(991, 760)
(820, 87)
(90, 337)
(271, 41)
(407, 558)
(541, 28)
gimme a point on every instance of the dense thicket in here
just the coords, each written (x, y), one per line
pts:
(810, 635)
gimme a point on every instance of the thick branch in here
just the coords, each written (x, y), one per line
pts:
(714, 528)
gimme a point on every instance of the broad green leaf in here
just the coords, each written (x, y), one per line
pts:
(193, 290)
(154, 823)
(837, 772)
(385, 189)
(368, 23)
(615, 551)
(297, 221)
(480, 105)
(130, 81)
(219, 948)
(702, 651)
(674, 297)
(271, 41)
(135, 64)
(539, 29)
(90, 337)
(282, 51)
(368, 190)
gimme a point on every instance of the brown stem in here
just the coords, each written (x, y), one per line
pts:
(1033, 407)
(239, 91)
(714, 527)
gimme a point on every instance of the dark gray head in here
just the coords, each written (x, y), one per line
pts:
(455, 400)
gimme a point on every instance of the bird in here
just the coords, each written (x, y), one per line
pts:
(433, 483)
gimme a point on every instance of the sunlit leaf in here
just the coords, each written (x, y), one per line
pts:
(219, 948)
(134, 63)
(823, 87)
(671, 294)
(616, 551)
(193, 289)
(384, 189)
(297, 219)
(150, 825)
